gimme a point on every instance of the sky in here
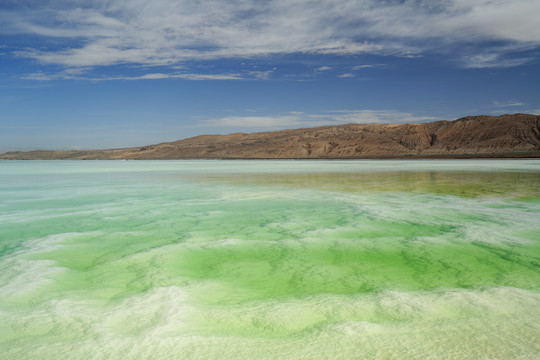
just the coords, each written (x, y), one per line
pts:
(88, 74)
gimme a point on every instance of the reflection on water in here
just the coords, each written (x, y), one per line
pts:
(460, 183)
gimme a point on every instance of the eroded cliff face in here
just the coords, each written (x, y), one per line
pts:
(472, 136)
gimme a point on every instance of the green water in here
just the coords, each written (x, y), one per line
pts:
(270, 259)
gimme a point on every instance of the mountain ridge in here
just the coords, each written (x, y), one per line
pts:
(481, 136)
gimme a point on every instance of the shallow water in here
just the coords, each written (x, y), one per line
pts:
(270, 259)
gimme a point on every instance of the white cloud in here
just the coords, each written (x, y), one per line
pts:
(513, 106)
(507, 103)
(492, 60)
(373, 117)
(152, 76)
(169, 32)
(208, 76)
(347, 75)
(39, 76)
(324, 68)
(359, 67)
(177, 76)
(262, 75)
(269, 122)
(297, 119)
(349, 47)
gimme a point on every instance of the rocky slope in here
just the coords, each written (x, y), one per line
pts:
(473, 136)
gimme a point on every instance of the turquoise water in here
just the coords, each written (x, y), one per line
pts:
(270, 259)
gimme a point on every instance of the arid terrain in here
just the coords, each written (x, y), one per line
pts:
(482, 136)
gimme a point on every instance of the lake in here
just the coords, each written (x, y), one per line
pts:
(360, 259)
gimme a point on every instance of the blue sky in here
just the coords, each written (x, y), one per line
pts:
(116, 73)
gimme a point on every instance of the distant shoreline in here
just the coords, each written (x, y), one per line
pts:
(434, 157)
(473, 137)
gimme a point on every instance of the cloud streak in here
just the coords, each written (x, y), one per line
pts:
(170, 32)
(151, 76)
(503, 104)
(297, 119)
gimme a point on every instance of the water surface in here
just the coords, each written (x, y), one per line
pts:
(270, 259)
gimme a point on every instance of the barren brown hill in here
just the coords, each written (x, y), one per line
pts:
(482, 136)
